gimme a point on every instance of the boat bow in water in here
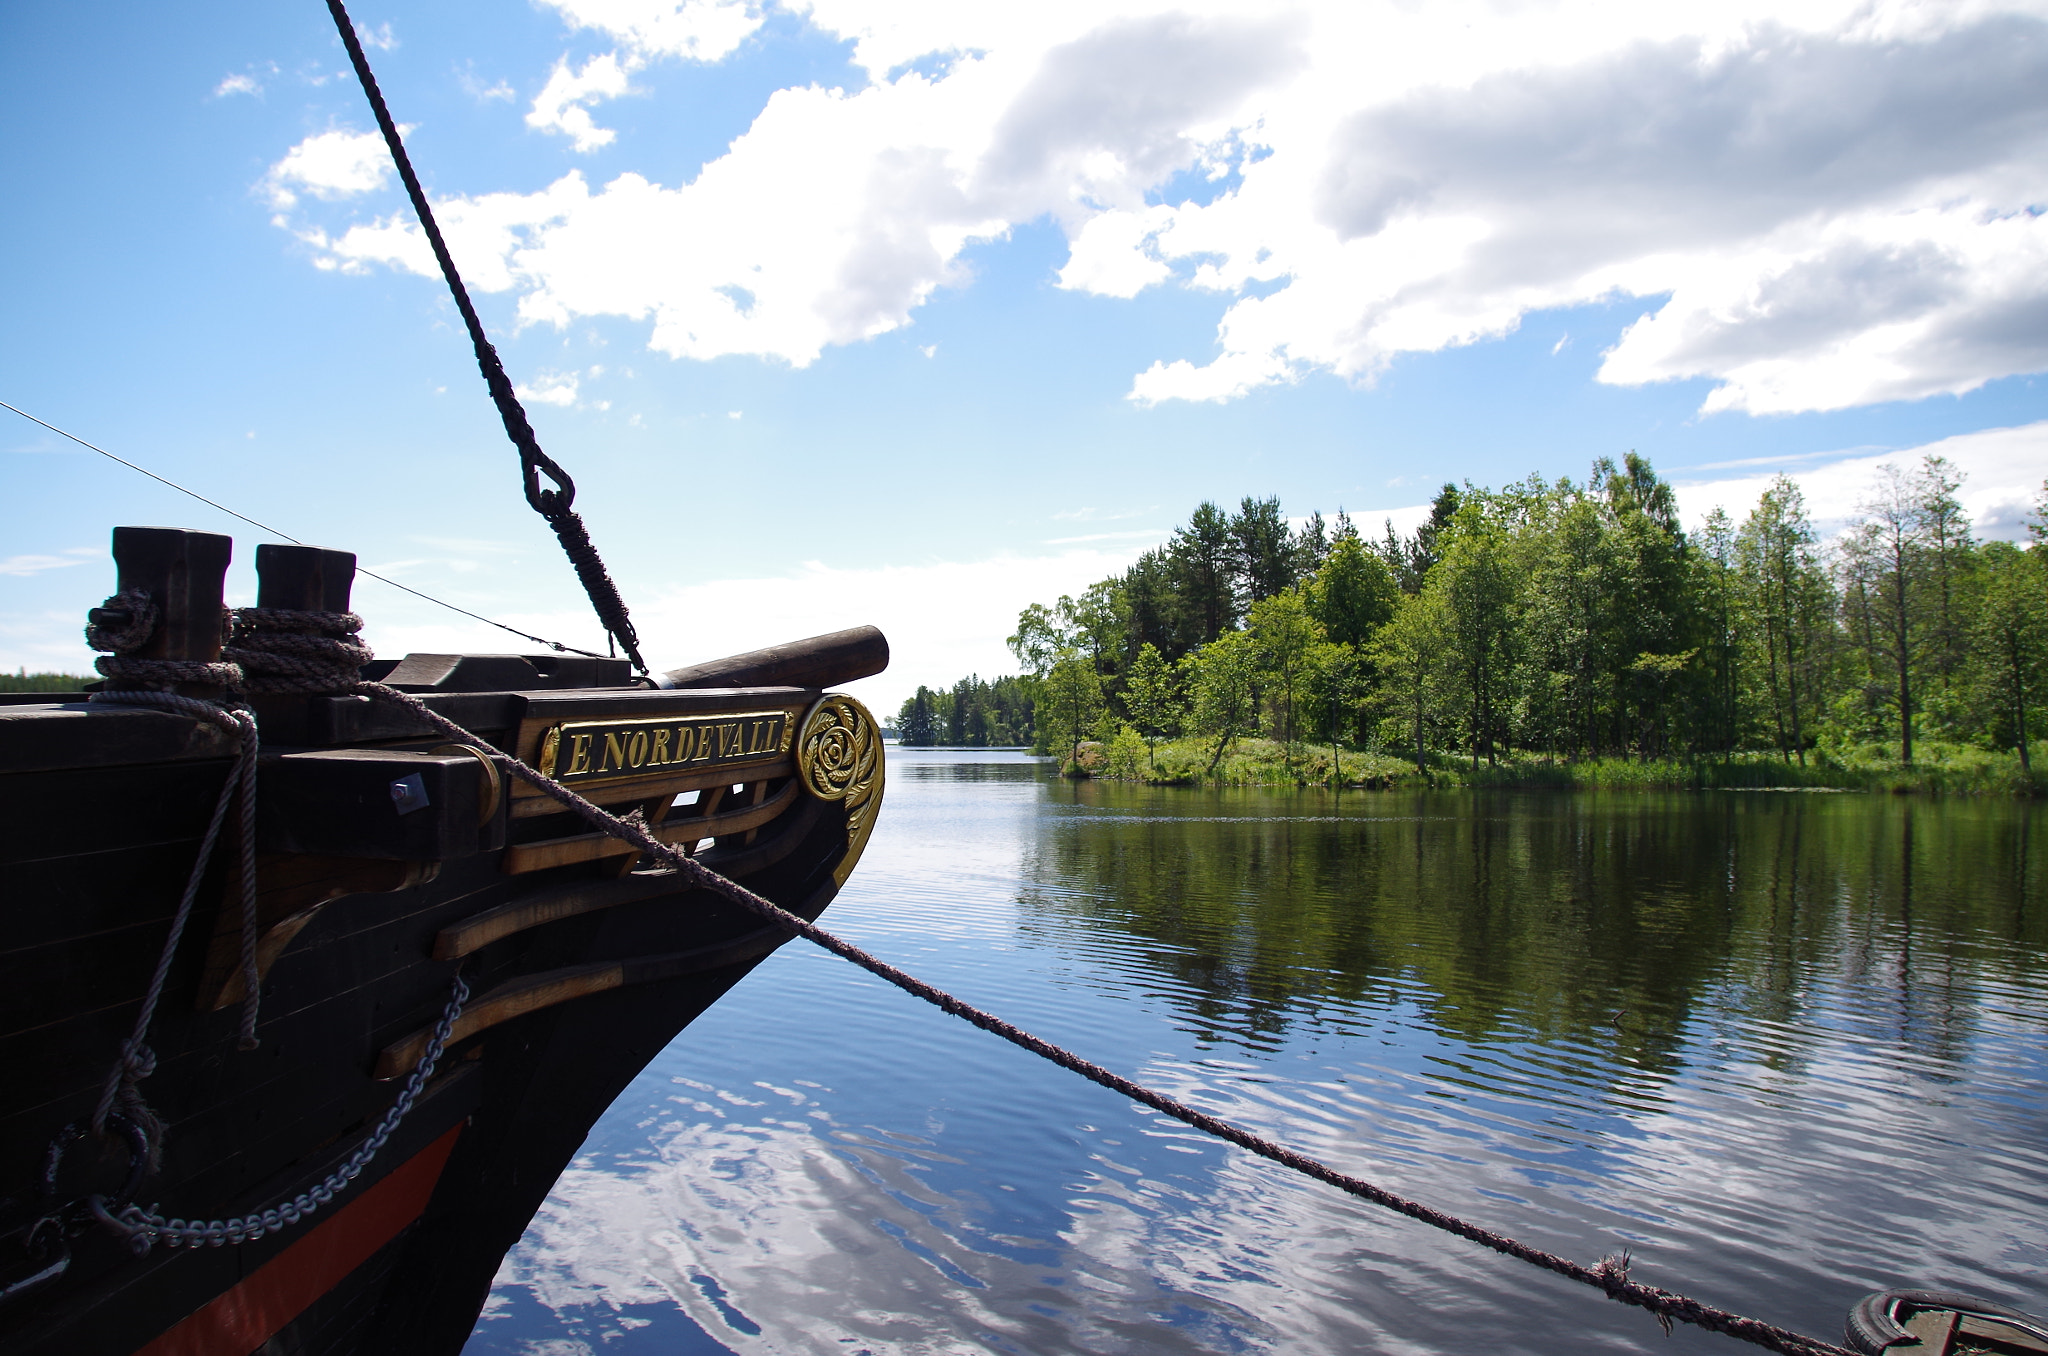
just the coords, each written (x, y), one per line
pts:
(455, 974)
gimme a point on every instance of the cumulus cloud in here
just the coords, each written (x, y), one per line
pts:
(698, 30)
(562, 105)
(331, 165)
(550, 388)
(1821, 204)
(2001, 468)
(240, 83)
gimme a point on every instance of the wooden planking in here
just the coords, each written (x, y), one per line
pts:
(72, 813)
(532, 993)
(529, 911)
(588, 847)
(77, 734)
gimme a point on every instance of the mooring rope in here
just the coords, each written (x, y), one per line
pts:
(557, 646)
(1610, 1275)
(120, 625)
(553, 505)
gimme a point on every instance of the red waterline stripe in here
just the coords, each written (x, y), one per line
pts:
(242, 1319)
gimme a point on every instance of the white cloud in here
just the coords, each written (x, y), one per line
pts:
(237, 84)
(561, 104)
(473, 85)
(944, 619)
(1822, 204)
(550, 388)
(698, 30)
(23, 566)
(2002, 469)
(331, 165)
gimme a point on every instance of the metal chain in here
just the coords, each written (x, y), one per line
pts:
(144, 1228)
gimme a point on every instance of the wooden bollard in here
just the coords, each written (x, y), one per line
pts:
(182, 571)
(304, 578)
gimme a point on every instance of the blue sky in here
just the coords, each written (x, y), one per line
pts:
(912, 314)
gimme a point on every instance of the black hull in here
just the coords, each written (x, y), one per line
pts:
(401, 1261)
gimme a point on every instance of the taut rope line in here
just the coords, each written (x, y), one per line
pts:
(553, 505)
(555, 645)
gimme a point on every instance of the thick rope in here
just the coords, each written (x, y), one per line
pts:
(125, 622)
(553, 505)
(1610, 1276)
(285, 650)
(137, 1061)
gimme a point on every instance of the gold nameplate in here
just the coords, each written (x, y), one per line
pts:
(600, 750)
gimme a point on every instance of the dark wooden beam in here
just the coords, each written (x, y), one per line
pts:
(818, 662)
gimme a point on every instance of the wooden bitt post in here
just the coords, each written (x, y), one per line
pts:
(304, 578)
(182, 571)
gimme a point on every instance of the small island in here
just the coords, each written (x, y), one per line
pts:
(1547, 633)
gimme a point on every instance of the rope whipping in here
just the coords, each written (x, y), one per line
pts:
(554, 505)
(557, 646)
(1610, 1276)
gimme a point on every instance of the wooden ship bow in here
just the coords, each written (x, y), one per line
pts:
(453, 974)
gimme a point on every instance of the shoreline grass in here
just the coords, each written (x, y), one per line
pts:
(1940, 769)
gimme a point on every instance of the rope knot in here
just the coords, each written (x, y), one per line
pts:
(138, 1061)
(1612, 1274)
(123, 622)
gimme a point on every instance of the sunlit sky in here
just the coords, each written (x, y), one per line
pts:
(914, 313)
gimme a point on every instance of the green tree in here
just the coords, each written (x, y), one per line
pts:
(1353, 594)
(1222, 681)
(1069, 704)
(1153, 696)
(1411, 653)
(1203, 562)
(914, 723)
(1783, 591)
(1714, 587)
(2011, 635)
(1264, 551)
(1286, 638)
(1892, 531)
(1478, 582)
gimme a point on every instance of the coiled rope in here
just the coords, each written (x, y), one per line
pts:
(553, 505)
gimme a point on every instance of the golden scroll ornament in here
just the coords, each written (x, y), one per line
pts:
(839, 757)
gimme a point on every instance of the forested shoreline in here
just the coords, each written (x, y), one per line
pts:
(1524, 632)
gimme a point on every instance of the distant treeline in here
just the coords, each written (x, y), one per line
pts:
(1561, 619)
(21, 680)
(972, 712)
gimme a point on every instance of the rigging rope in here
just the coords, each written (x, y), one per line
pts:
(557, 646)
(1609, 1276)
(553, 505)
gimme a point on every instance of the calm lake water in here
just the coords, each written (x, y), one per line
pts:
(1783, 1048)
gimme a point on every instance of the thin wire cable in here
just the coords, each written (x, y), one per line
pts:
(555, 645)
